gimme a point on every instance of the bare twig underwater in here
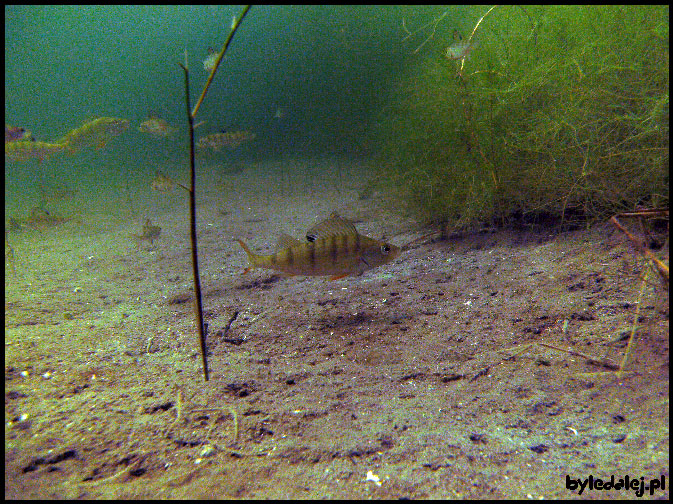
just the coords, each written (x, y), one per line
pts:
(191, 114)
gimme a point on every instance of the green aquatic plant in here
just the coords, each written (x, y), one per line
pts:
(557, 112)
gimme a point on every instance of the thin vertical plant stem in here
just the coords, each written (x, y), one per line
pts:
(635, 326)
(191, 114)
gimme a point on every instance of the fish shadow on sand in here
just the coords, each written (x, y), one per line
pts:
(260, 283)
(342, 320)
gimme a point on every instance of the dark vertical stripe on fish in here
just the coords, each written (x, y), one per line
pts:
(290, 257)
(343, 245)
(311, 255)
(333, 248)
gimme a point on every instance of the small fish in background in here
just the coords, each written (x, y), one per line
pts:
(156, 127)
(97, 133)
(280, 113)
(42, 219)
(162, 183)
(55, 193)
(16, 133)
(333, 247)
(209, 62)
(460, 49)
(150, 233)
(23, 150)
(228, 139)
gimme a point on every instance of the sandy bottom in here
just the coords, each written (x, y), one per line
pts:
(424, 378)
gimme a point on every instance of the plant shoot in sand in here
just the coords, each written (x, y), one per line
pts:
(191, 114)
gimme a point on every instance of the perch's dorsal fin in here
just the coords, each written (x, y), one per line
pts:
(286, 241)
(333, 225)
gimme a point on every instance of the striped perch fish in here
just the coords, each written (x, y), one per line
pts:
(95, 133)
(23, 150)
(333, 247)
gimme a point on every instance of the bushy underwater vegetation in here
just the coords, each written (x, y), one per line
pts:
(554, 113)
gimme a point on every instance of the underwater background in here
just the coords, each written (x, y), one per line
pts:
(462, 318)
(322, 67)
(574, 97)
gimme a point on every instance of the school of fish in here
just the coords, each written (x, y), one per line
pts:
(16, 133)
(95, 133)
(21, 146)
(228, 139)
(156, 127)
(23, 150)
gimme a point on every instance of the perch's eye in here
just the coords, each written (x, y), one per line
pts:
(385, 249)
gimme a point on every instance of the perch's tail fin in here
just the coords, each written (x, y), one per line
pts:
(251, 256)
